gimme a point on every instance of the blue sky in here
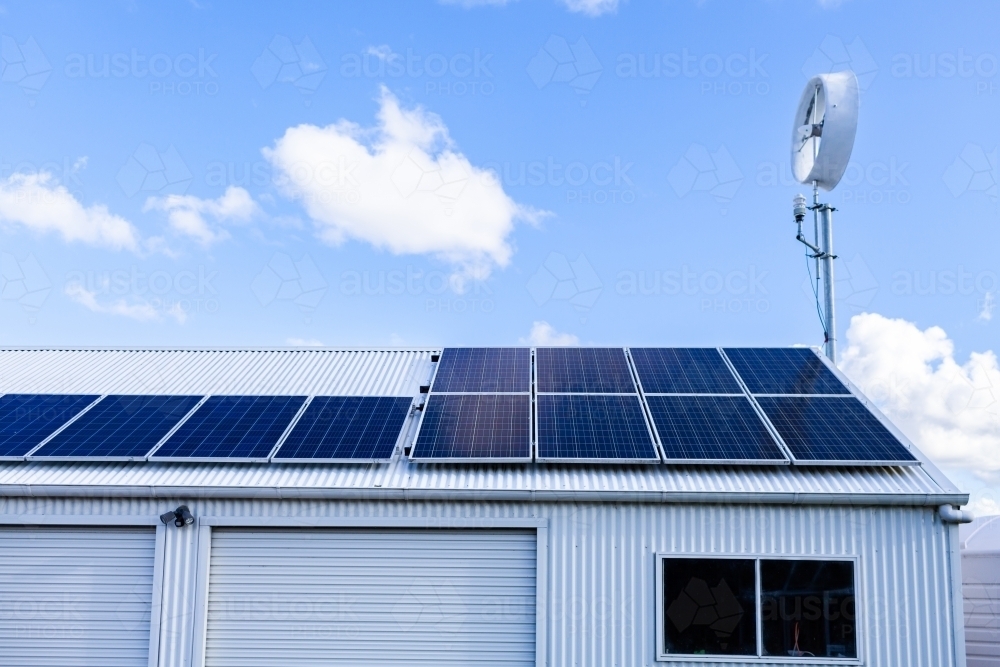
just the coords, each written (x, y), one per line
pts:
(376, 174)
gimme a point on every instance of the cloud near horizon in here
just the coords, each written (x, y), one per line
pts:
(950, 408)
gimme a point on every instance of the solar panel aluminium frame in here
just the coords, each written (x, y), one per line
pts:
(400, 438)
(745, 394)
(642, 407)
(477, 459)
(50, 436)
(225, 459)
(144, 457)
(854, 393)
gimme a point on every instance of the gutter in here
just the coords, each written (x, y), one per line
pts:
(478, 495)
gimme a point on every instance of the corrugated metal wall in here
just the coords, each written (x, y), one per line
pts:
(600, 579)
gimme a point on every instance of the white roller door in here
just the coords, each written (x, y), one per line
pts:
(75, 597)
(371, 597)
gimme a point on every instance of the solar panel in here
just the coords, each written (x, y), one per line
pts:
(593, 427)
(346, 427)
(475, 426)
(820, 429)
(696, 429)
(789, 370)
(584, 370)
(683, 370)
(484, 369)
(232, 427)
(119, 427)
(27, 419)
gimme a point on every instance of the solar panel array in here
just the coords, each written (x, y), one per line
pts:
(639, 405)
(55, 427)
(588, 407)
(346, 428)
(118, 427)
(479, 407)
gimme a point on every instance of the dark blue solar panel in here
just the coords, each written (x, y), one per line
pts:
(593, 427)
(347, 427)
(27, 419)
(484, 369)
(683, 370)
(585, 370)
(475, 426)
(120, 426)
(699, 428)
(832, 429)
(789, 370)
(245, 427)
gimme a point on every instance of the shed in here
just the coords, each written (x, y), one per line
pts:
(738, 541)
(980, 543)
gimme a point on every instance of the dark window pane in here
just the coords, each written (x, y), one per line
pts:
(807, 608)
(709, 606)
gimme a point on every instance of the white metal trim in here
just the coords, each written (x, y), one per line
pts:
(375, 522)
(79, 520)
(156, 601)
(541, 591)
(199, 630)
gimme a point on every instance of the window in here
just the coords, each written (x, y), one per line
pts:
(807, 608)
(710, 606)
(787, 608)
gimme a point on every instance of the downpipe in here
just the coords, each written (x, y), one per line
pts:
(951, 514)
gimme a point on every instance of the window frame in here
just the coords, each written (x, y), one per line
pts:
(662, 656)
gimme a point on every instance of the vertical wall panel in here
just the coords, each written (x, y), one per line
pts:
(600, 583)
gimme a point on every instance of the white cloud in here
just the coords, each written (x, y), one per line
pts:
(591, 7)
(989, 303)
(400, 186)
(382, 52)
(303, 342)
(544, 334)
(189, 215)
(949, 408)
(39, 203)
(140, 310)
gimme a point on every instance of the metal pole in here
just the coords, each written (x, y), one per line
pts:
(817, 239)
(828, 280)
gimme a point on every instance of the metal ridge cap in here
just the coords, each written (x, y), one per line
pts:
(526, 495)
(194, 348)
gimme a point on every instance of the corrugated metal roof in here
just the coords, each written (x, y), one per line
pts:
(656, 481)
(381, 372)
(252, 371)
